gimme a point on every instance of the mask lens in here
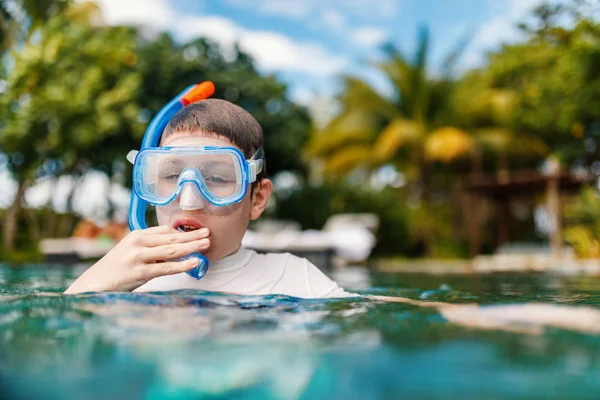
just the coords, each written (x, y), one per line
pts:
(221, 173)
(169, 171)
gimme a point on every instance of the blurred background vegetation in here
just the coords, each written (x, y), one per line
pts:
(77, 94)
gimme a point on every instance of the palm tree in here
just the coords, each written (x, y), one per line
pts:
(406, 129)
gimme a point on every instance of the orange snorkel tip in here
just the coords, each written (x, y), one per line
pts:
(199, 92)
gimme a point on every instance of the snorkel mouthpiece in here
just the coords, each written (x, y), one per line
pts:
(137, 206)
(201, 269)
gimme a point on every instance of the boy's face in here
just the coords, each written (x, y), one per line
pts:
(227, 225)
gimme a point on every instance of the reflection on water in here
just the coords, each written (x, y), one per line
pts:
(512, 336)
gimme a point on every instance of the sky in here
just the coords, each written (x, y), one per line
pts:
(309, 43)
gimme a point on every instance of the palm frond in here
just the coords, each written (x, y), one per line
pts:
(447, 144)
(352, 126)
(346, 159)
(395, 135)
(359, 94)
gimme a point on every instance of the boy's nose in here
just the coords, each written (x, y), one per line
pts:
(190, 198)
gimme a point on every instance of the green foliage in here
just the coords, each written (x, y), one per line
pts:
(19, 18)
(80, 95)
(70, 93)
(553, 80)
(409, 130)
(79, 88)
(582, 230)
(372, 130)
(168, 67)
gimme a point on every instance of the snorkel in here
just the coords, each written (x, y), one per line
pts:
(137, 206)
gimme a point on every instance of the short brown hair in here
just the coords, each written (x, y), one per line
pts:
(221, 118)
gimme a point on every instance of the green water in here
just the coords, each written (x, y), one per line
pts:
(191, 344)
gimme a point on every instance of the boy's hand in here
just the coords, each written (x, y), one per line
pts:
(141, 256)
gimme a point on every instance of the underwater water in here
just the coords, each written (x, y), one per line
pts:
(512, 337)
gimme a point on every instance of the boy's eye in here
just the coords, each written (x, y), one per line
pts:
(171, 176)
(220, 179)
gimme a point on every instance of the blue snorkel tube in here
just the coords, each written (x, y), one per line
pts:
(137, 206)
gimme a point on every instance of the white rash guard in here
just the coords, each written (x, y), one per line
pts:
(250, 273)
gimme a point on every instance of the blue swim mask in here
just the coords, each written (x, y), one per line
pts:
(198, 177)
(220, 174)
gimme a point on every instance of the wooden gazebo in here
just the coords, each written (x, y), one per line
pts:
(501, 188)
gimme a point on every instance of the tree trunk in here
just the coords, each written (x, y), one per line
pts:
(474, 218)
(477, 163)
(553, 204)
(473, 213)
(33, 224)
(502, 172)
(429, 240)
(12, 218)
(503, 217)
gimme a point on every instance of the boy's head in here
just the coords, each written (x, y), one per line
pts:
(215, 122)
(221, 118)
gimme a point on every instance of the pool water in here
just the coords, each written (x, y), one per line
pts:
(543, 342)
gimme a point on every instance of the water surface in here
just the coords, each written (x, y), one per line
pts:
(194, 344)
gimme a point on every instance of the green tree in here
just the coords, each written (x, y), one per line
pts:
(488, 114)
(583, 224)
(20, 18)
(168, 67)
(80, 87)
(555, 78)
(409, 129)
(70, 98)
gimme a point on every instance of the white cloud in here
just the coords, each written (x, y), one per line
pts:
(274, 51)
(503, 26)
(499, 29)
(271, 50)
(154, 13)
(333, 19)
(368, 36)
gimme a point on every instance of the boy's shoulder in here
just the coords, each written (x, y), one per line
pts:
(285, 263)
(297, 276)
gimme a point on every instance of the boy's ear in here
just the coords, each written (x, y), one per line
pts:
(260, 197)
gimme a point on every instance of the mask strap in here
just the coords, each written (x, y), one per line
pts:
(255, 164)
(131, 156)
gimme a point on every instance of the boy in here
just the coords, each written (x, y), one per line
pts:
(191, 223)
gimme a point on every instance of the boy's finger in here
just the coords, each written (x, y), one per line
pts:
(174, 237)
(171, 267)
(169, 251)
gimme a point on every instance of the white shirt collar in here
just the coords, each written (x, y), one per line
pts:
(231, 263)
